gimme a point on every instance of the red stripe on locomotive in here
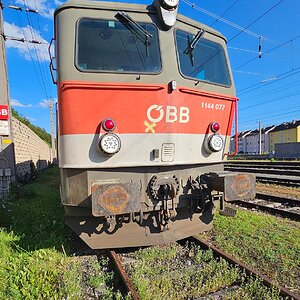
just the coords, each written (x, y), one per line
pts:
(84, 105)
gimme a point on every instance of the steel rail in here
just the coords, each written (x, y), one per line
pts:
(248, 270)
(123, 275)
(281, 178)
(273, 210)
(287, 181)
(275, 171)
(278, 164)
(274, 198)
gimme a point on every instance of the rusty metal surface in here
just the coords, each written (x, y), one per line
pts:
(241, 186)
(248, 270)
(235, 186)
(124, 276)
(115, 199)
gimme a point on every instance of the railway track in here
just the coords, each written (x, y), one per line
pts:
(285, 293)
(287, 173)
(285, 207)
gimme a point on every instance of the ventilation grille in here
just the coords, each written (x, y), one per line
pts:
(168, 151)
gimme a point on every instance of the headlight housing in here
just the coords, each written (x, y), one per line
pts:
(215, 143)
(109, 143)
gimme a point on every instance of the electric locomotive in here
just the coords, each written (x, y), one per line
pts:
(146, 102)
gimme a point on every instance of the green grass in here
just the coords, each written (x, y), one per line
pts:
(266, 243)
(176, 272)
(35, 260)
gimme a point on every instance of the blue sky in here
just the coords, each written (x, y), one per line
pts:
(268, 87)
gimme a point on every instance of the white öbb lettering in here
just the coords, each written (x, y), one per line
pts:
(172, 114)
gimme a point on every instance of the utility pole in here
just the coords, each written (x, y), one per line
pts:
(259, 137)
(53, 150)
(7, 156)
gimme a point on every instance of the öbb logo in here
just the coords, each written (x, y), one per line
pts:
(171, 114)
(3, 112)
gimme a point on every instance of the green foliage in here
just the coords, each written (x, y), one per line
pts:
(39, 275)
(176, 272)
(179, 273)
(42, 133)
(34, 248)
(266, 243)
(100, 278)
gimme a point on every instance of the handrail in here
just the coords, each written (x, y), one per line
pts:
(51, 66)
(236, 130)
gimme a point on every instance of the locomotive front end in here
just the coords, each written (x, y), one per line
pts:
(146, 102)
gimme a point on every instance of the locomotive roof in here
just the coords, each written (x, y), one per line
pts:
(131, 7)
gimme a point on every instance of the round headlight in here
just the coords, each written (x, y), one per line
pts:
(109, 143)
(215, 143)
(169, 4)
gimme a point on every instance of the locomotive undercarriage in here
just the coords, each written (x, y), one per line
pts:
(133, 206)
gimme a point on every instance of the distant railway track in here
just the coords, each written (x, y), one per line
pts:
(285, 207)
(117, 261)
(287, 173)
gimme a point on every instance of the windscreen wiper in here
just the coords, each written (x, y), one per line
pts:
(136, 26)
(192, 45)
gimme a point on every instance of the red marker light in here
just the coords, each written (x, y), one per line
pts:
(215, 126)
(108, 124)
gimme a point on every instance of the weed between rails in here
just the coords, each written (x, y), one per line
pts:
(266, 243)
(35, 261)
(176, 272)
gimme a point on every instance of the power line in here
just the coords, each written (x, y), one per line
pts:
(36, 51)
(49, 80)
(269, 51)
(28, 49)
(258, 116)
(219, 18)
(275, 90)
(273, 100)
(276, 78)
(272, 117)
(253, 22)
(18, 39)
(229, 8)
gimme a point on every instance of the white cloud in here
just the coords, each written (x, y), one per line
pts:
(46, 27)
(58, 2)
(44, 7)
(17, 103)
(30, 119)
(44, 103)
(28, 50)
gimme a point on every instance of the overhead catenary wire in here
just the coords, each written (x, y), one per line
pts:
(36, 52)
(275, 90)
(254, 21)
(219, 18)
(272, 100)
(275, 78)
(28, 49)
(269, 51)
(245, 29)
(225, 12)
(23, 40)
(270, 117)
(46, 70)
